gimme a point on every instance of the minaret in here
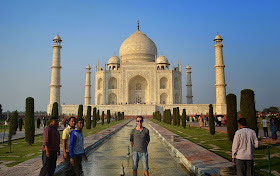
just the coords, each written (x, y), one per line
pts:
(220, 75)
(55, 79)
(88, 86)
(189, 85)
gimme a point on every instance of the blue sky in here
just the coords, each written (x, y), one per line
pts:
(93, 30)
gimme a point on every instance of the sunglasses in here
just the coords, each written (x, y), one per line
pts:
(139, 120)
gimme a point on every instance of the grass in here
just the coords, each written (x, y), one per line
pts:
(203, 138)
(21, 151)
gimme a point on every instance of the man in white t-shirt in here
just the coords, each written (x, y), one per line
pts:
(264, 124)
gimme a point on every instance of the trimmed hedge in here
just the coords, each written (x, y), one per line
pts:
(29, 121)
(232, 126)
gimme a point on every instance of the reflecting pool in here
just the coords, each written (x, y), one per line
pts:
(107, 159)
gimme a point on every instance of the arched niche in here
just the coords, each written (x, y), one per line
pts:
(112, 99)
(164, 83)
(163, 98)
(138, 90)
(112, 83)
(99, 99)
(99, 84)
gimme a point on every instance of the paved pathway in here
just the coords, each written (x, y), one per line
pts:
(223, 129)
(197, 158)
(33, 166)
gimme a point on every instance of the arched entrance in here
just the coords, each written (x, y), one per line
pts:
(138, 90)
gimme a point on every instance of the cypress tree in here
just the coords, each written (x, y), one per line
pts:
(174, 117)
(97, 116)
(29, 121)
(184, 118)
(102, 118)
(169, 117)
(108, 116)
(159, 116)
(80, 112)
(232, 126)
(88, 118)
(122, 115)
(248, 109)
(55, 110)
(12, 129)
(211, 120)
(94, 117)
(178, 116)
(20, 123)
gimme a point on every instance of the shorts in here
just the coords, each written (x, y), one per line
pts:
(144, 159)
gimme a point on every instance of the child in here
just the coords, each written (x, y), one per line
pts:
(76, 148)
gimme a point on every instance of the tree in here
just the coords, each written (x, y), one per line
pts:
(94, 117)
(29, 121)
(169, 116)
(108, 116)
(102, 118)
(178, 116)
(55, 110)
(20, 123)
(174, 117)
(1, 110)
(271, 110)
(232, 126)
(88, 118)
(12, 129)
(211, 120)
(80, 112)
(97, 115)
(248, 109)
(184, 118)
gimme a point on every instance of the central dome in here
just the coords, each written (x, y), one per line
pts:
(138, 48)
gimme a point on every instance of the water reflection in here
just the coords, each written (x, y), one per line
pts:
(107, 160)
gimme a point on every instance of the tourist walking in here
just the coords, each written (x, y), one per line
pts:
(200, 121)
(68, 168)
(219, 120)
(20, 123)
(273, 129)
(140, 138)
(44, 122)
(264, 124)
(50, 148)
(244, 142)
(76, 148)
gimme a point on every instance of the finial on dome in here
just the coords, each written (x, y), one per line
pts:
(114, 53)
(138, 26)
(161, 53)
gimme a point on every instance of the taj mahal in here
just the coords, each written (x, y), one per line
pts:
(138, 81)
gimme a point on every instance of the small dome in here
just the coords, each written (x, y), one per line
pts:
(114, 60)
(57, 37)
(218, 37)
(138, 48)
(88, 67)
(188, 67)
(162, 60)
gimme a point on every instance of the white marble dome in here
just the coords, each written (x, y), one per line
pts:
(57, 37)
(138, 48)
(114, 60)
(218, 37)
(162, 60)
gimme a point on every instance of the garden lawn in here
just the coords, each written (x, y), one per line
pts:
(220, 145)
(21, 151)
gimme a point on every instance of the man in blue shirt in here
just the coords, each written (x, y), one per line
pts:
(76, 148)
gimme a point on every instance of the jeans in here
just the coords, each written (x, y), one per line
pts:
(265, 131)
(245, 167)
(49, 164)
(144, 159)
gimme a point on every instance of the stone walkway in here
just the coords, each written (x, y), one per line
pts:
(200, 160)
(33, 166)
